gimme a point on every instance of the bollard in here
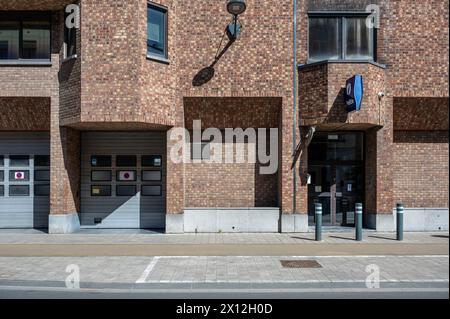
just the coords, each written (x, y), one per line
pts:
(318, 222)
(399, 221)
(358, 221)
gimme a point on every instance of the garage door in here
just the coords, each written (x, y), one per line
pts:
(24, 180)
(123, 180)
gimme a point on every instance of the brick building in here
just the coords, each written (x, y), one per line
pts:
(85, 111)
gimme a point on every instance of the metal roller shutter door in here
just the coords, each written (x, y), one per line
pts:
(114, 211)
(30, 210)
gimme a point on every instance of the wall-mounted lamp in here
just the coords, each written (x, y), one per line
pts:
(235, 8)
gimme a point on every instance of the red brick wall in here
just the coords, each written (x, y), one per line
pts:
(231, 184)
(24, 114)
(420, 162)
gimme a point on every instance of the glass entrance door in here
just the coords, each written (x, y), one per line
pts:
(336, 176)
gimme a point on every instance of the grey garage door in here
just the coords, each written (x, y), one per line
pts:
(24, 180)
(123, 180)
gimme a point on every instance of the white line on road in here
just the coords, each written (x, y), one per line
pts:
(148, 270)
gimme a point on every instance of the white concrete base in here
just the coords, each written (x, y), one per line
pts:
(414, 219)
(294, 223)
(174, 223)
(63, 224)
(231, 220)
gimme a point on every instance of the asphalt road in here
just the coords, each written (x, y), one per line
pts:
(436, 292)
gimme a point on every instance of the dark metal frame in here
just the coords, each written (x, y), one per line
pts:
(24, 16)
(343, 15)
(164, 10)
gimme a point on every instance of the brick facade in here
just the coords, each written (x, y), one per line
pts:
(113, 85)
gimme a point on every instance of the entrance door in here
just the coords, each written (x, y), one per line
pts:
(336, 177)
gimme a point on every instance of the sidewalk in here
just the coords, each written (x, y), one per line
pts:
(17, 243)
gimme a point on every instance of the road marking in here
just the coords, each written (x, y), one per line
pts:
(148, 270)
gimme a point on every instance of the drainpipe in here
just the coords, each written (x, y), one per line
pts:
(295, 83)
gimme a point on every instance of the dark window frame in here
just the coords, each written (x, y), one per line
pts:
(151, 156)
(28, 16)
(151, 180)
(126, 170)
(123, 156)
(343, 16)
(27, 186)
(99, 195)
(41, 180)
(26, 177)
(2, 190)
(41, 156)
(110, 159)
(165, 11)
(146, 185)
(120, 185)
(99, 170)
(14, 157)
(37, 186)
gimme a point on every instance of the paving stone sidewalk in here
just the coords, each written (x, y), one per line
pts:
(134, 271)
(143, 237)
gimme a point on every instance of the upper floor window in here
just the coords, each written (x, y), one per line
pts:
(24, 36)
(343, 37)
(156, 31)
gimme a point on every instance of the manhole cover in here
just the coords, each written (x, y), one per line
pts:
(300, 264)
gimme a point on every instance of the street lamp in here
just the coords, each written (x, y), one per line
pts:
(235, 8)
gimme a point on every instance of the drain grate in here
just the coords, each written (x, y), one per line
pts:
(300, 264)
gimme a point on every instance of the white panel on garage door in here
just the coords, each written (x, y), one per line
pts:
(120, 175)
(24, 179)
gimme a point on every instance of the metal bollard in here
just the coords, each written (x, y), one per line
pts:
(318, 222)
(358, 221)
(399, 221)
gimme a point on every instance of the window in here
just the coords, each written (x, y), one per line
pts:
(151, 190)
(42, 160)
(126, 176)
(126, 161)
(19, 161)
(24, 36)
(156, 31)
(42, 190)
(19, 176)
(2, 190)
(101, 176)
(70, 40)
(101, 161)
(126, 190)
(151, 161)
(42, 176)
(344, 37)
(2, 176)
(101, 190)
(151, 176)
(19, 190)
(2, 160)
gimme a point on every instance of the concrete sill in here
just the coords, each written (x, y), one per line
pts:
(310, 64)
(44, 63)
(157, 59)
